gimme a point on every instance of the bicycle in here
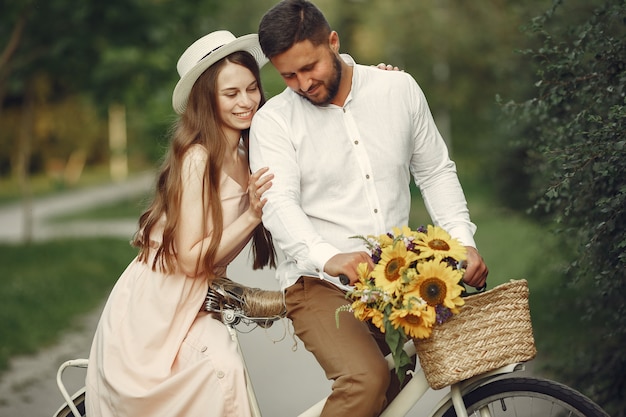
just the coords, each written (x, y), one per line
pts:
(498, 393)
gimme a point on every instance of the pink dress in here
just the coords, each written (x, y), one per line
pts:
(155, 354)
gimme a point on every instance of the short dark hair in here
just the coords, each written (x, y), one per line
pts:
(290, 22)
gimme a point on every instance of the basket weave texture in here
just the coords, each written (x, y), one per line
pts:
(492, 329)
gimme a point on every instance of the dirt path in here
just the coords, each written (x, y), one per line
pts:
(29, 388)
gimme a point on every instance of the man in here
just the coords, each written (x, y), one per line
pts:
(343, 141)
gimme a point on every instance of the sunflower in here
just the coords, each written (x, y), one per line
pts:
(363, 271)
(364, 313)
(437, 243)
(361, 310)
(385, 240)
(378, 319)
(389, 270)
(414, 285)
(406, 232)
(438, 284)
(416, 322)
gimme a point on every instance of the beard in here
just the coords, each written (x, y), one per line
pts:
(332, 86)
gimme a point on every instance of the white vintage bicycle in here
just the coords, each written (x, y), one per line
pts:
(498, 393)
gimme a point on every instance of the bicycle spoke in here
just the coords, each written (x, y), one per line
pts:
(528, 397)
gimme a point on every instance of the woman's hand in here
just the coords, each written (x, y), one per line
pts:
(258, 183)
(387, 67)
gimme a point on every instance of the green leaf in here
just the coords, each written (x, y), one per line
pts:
(396, 339)
(339, 310)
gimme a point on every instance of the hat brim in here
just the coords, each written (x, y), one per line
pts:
(248, 43)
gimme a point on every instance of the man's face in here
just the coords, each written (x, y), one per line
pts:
(314, 72)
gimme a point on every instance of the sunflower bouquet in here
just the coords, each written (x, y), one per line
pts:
(415, 285)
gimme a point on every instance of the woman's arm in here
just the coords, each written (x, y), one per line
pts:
(192, 242)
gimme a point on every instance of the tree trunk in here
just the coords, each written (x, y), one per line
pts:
(117, 142)
(24, 145)
(9, 51)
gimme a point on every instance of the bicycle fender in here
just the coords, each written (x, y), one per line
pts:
(474, 382)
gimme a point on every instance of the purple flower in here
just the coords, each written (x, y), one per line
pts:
(443, 313)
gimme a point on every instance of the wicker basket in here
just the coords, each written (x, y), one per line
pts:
(492, 329)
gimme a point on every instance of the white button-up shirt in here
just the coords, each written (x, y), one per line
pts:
(345, 171)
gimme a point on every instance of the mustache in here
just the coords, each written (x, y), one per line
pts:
(312, 87)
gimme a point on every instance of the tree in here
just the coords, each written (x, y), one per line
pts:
(65, 63)
(576, 154)
(458, 51)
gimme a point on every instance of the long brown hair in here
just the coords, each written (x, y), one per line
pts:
(199, 124)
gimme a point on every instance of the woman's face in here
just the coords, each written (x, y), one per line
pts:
(238, 97)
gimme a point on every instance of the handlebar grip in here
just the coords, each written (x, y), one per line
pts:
(476, 291)
(344, 279)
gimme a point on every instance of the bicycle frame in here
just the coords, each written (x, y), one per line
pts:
(410, 394)
(69, 400)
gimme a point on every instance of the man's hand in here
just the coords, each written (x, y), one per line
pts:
(347, 264)
(476, 271)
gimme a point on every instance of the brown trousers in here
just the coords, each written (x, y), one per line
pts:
(352, 355)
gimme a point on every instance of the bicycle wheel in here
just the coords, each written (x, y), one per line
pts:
(527, 397)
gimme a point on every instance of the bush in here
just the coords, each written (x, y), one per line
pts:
(576, 161)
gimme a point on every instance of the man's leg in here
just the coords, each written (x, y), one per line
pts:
(394, 386)
(348, 354)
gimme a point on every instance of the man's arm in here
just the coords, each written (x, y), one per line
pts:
(435, 174)
(270, 145)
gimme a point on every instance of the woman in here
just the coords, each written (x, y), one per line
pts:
(154, 352)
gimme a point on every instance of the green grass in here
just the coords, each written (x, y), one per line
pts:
(44, 287)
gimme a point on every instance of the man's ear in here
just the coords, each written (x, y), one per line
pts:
(333, 41)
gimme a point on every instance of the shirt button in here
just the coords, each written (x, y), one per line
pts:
(375, 210)
(356, 142)
(367, 177)
(220, 374)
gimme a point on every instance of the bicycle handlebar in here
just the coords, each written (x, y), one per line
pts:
(346, 281)
(232, 302)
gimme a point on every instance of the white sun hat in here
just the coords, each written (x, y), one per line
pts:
(206, 51)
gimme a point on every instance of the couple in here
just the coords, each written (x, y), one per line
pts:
(332, 157)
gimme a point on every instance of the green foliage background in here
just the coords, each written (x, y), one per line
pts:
(572, 133)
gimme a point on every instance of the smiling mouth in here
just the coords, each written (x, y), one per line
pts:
(244, 114)
(313, 90)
